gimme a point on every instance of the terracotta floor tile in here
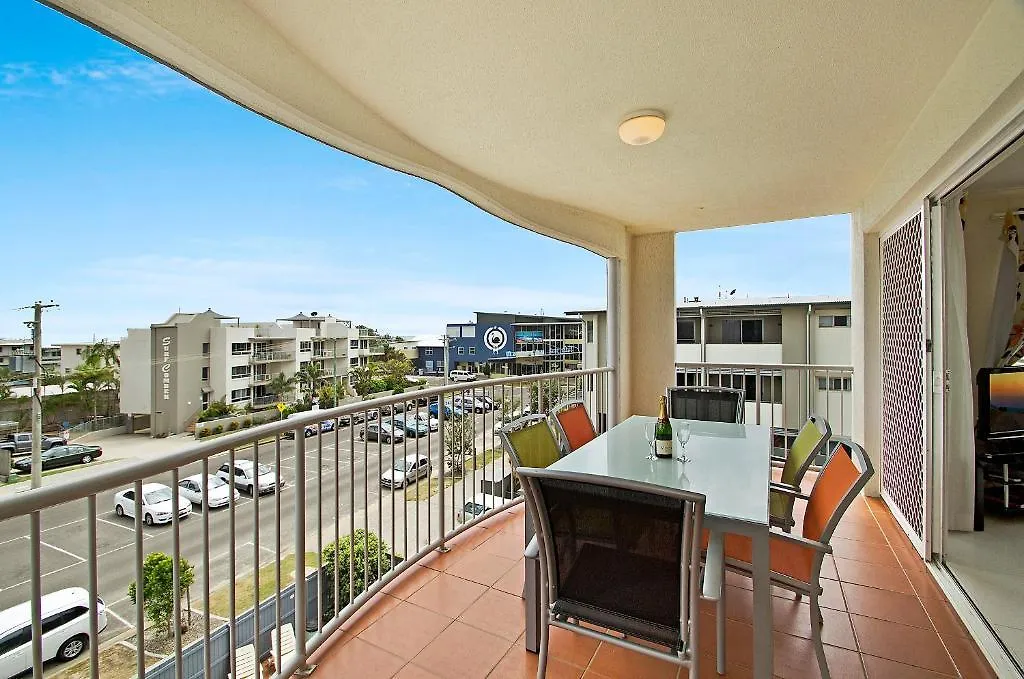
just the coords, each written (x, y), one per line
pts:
(442, 560)
(923, 583)
(864, 551)
(968, 659)
(498, 613)
(871, 575)
(902, 643)
(862, 532)
(885, 605)
(514, 579)
(405, 630)
(708, 670)
(831, 595)
(411, 671)
(506, 543)
(447, 595)
(944, 618)
(370, 613)
(795, 619)
(361, 659)
(481, 567)
(739, 641)
(615, 661)
(795, 659)
(518, 663)
(880, 668)
(828, 568)
(464, 652)
(573, 648)
(410, 581)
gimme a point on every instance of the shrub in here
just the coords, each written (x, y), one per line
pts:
(247, 422)
(370, 559)
(203, 432)
(398, 391)
(158, 587)
(216, 410)
(233, 426)
(219, 429)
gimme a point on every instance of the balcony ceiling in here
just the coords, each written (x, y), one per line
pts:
(775, 109)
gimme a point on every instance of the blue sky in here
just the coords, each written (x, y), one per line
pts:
(128, 192)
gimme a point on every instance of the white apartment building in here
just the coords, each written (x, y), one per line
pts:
(63, 358)
(362, 345)
(799, 347)
(174, 370)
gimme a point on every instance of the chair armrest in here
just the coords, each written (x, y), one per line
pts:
(532, 549)
(714, 567)
(802, 542)
(786, 489)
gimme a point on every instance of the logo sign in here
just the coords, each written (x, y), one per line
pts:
(165, 367)
(495, 338)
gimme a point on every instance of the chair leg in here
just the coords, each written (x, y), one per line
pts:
(542, 658)
(720, 638)
(816, 625)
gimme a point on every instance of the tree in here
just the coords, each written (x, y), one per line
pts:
(394, 372)
(158, 587)
(309, 378)
(369, 558)
(89, 379)
(54, 379)
(361, 379)
(460, 441)
(102, 353)
(6, 383)
(545, 396)
(281, 386)
(326, 396)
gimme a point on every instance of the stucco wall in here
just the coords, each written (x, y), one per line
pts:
(648, 337)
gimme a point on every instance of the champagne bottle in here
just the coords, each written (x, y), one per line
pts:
(663, 433)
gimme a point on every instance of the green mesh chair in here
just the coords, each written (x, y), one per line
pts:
(809, 442)
(530, 442)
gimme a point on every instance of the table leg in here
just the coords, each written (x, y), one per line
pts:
(532, 595)
(763, 660)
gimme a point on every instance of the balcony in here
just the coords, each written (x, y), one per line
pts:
(260, 401)
(261, 378)
(271, 356)
(324, 353)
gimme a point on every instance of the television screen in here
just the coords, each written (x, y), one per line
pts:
(1005, 402)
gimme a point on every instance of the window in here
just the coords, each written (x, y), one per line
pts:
(461, 351)
(129, 495)
(305, 346)
(686, 331)
(237, 371)
(830, 321)
(78, 351)
(303, 365)
(15, 640)
(590, 332)
(239, 394)
(353, 361)
(239, 348)
(742, 331)
(834, 384)
(353, 344)
(472, 351)
(753, 331)
(428, 352)
(205, 373)
(206, 348)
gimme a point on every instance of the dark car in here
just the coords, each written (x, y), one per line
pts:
(61, 456)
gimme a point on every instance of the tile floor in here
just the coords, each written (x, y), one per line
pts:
(460, 615)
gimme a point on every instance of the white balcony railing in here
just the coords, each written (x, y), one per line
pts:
(314, 499)
(268, 356)
(782, 395)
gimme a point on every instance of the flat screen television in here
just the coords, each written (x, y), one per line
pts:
(1001, 403)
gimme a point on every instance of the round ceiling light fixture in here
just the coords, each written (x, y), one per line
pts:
(642, 127)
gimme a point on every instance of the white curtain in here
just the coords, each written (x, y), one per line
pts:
(959, 415)
(1003, 341)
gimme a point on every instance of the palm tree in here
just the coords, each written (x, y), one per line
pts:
(6, 382)
(102, 353)
(54, 379)
(281, 386)
(89, 379)
(309, 378)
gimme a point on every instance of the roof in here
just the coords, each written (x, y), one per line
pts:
(748, 302)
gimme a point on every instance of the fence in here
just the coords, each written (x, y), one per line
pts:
(97, 424)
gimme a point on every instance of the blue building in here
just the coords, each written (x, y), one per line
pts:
(515, 344)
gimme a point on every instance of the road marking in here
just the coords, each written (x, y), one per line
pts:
(69, 523)
(121, 620)
(62, 551)
(117, 525)
(20, 537)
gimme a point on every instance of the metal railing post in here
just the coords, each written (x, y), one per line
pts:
(300, 552)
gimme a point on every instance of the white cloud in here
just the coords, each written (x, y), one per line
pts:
(133, 76)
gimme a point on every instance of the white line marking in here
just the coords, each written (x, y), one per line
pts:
(20, 537)
(117, 525)
(69, 523)
(62, 551)
(121, 620)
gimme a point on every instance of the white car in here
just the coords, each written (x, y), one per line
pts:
(157, 504)
(218, 495)
(65, 629)
(245, 477)
(478, 505)
(426, 419)
(462, 376)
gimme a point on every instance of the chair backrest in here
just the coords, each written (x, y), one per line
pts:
(530, 442)
(840, 480)
(573, 424)
(710, 404)
(287, 641)
(621, 554)
(245, 662)
(809, 442)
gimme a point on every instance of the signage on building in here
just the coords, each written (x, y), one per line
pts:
(495, 338)
(165, 366)
(524, 336)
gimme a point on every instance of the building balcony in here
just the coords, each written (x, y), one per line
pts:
(271, 356)
(261, 378)
(325, 353)
(260, 401)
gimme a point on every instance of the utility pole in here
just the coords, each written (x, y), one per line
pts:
(37, 391)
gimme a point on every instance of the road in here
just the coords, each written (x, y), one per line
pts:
(64, 538)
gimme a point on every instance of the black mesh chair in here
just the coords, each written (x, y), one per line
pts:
(620, 555)
(710, 404)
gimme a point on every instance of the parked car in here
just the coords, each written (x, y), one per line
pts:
(471, 404)
(21, 442)
(248, 479)
(406, 471)
(60, 456)
(462, 376)
(393, 408)
(426, 419)
(65, 615)
(157, 504)
(379, 431)
(218, 494)
(326, 426)
(410, 426)
(478, 505)
(449, 411)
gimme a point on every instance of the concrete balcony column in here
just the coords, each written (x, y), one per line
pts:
(865, 346)
(646, 311)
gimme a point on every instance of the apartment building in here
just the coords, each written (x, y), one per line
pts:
(748, 344)
(364, 345)
(63, 358)
(515, 344)
(425, 352)
(174, 370)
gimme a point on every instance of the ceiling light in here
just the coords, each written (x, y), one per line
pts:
(642, 127)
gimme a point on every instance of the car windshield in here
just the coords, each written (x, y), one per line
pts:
(400, 466)
(159, 495)
(215, 482)
(264, 469)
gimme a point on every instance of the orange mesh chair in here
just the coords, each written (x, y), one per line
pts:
(573, 425)
(796, 561)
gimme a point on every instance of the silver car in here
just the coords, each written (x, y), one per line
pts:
(406, 471)
(385, 433)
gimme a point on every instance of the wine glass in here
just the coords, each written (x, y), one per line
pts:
(683, 437)
(649, 434)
